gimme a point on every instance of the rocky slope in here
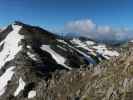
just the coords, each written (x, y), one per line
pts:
(36, 64)
(109, 80)
(114, 82)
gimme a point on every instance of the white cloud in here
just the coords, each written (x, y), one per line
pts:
(80, 26)
(103, 29)
(89, 29)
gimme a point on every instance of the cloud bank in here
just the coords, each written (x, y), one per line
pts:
(81, 26)
(88, 28)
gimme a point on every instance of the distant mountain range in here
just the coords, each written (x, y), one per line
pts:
(107, 41)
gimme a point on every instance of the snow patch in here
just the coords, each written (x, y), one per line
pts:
(101, 46)
(62, 41)
(131, 41)
(77, 42)
(87, 57)
(82, 44)
(89, 43)
(29, 47)
(11, 47)
(31, 94)
(101, 49)
(32, 56)
(58, 58)
(5, 78)
(20, 87)
(61, 47)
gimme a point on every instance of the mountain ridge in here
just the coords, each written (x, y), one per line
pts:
(30, 56)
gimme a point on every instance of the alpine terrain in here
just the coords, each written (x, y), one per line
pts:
(36, 64)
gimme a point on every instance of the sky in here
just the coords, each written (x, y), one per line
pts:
(69, 15)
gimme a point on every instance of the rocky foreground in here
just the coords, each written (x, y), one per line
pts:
(109, 80)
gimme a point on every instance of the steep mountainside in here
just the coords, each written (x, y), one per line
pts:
(31, 57)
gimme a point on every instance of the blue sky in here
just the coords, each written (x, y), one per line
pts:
(97, 19)
(54, 13)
